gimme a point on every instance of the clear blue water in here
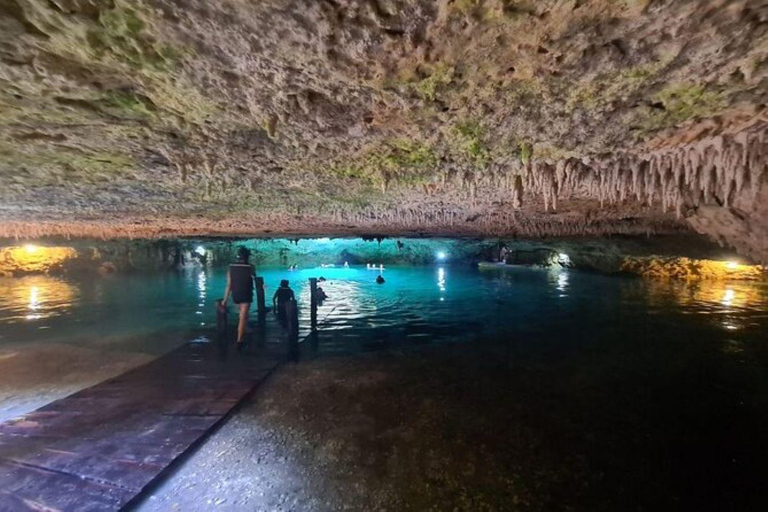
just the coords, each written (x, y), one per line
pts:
(415, 305)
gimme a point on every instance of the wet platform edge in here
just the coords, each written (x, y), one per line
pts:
(103, 447)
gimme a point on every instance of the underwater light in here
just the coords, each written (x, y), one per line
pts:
(441, 255)
(732, 264)
(31, 249)
(200, 250)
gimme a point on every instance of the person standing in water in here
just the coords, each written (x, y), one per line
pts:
(280, 298)
(240, 285)
(503, 253)
(320, 295)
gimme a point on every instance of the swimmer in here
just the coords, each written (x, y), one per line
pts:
(380, 279)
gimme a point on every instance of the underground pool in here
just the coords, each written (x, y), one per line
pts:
(487, 387)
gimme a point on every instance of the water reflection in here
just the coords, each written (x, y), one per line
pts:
(36, 297)
(728, 297)
(705, 295)
(347, 301)
(34, 303)
(414, 300)
(441, 279)
(202, 281)
(559, 279)
(441, 283)
(732, 306)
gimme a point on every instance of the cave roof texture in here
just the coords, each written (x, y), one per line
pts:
(525, 118)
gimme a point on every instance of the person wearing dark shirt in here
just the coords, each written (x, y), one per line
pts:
(240, 285)
(380, 279)
(281, 297)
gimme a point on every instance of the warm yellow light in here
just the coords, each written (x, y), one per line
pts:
(33, 258)
(733, 295)
(728, 297)
(732, 265)
(34, 301)
(39, 297)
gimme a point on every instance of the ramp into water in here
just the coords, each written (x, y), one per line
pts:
(99, 448)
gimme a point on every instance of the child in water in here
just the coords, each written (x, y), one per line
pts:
(281, 298)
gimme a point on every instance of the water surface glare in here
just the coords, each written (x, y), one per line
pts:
(440, 303)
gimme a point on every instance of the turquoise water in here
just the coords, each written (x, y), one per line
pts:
(416, 305)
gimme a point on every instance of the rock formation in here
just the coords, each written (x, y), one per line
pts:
(502, 117)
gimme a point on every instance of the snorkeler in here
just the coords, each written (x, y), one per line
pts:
(281, 297)
(380, 279)
(240, 284)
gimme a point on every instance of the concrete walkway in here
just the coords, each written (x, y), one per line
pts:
(99, 448)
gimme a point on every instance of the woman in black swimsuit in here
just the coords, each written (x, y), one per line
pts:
(240, 284)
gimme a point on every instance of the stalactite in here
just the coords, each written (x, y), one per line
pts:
(716, 169)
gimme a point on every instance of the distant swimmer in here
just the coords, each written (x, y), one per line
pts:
(381, 266)
(346, 264)
(503, 253)
(380, 279)
(240, 285)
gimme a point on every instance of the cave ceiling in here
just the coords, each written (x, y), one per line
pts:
(491, 117)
